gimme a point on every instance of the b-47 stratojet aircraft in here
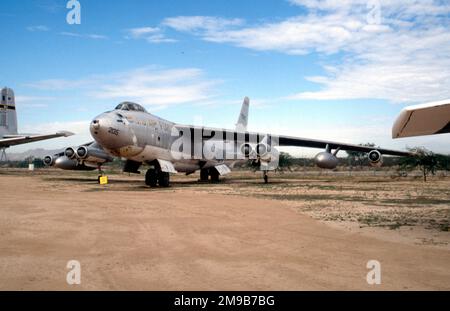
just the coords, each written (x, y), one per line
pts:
(130, 132)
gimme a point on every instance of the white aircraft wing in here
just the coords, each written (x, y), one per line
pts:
(281, 140)
(426, 119)
(13, 140)
(313, 143)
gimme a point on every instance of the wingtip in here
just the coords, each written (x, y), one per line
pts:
(65, 133)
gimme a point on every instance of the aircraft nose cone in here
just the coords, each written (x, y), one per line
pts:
(99, 126)
(109, 133)
(95, 124)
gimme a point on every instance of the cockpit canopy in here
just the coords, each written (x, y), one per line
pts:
(129, 106)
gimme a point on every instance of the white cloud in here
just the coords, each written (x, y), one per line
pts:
(158, 87)
(181, 23)
(198, 23)
(404, 58)
(78, 35)
(80, 128)
(151, 34)
(38, 28)
(143, 31)
(77, 127)
(60, 84)
(148, 86)
(95, 36)
(33, 101)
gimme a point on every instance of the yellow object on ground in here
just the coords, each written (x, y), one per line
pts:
(103, 180)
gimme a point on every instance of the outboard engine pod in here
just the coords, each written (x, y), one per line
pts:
(48, 161)
(375, 158)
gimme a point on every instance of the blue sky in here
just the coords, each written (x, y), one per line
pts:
(323, 69)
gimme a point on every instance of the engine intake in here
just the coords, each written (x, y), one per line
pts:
(49, 161)
(262, 149)
(375, 158)
(82, 152)
(246, 149)
(70, 153)
(91, 154)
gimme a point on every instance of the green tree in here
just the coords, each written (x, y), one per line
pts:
(423, 159)
(443, 162)
(358, 158)
(285, 160)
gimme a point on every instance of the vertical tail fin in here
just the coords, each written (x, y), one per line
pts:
(8, 116)
(241, 124)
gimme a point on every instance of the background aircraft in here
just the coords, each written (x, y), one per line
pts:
(8, 125)
(425, 119)
(130, 132)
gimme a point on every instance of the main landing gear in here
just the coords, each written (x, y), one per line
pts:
(155, 177)
(266, 177)
(206, 173)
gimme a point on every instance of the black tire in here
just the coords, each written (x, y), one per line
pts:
(151, 178)
(266, 179)
(204, 175)
(164, 179)
(214, 175)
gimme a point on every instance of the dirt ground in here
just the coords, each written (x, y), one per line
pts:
(297, 233)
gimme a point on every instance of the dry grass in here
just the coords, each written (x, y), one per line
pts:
(375, 201)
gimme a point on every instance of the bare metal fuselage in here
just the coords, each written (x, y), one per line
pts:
(143, 137)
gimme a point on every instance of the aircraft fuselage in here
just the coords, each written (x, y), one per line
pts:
(142, 137)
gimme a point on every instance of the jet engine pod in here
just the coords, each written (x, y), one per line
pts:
(82, 152)
(94, 155)
(262, 149)
(375, 158)
(49, 160)
(246, 149)
(326, 160)
(70, 153)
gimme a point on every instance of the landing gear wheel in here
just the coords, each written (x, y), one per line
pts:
(151, 178)
(214, 175)
(204, 175)
(164, 179)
